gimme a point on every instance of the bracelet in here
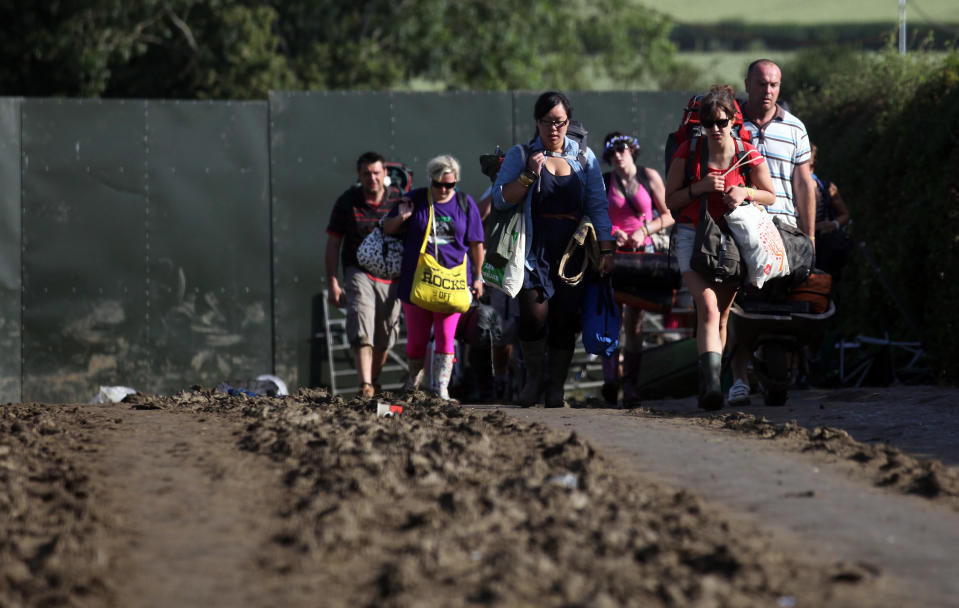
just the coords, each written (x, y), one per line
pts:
(525, 180)
(750, 193)
(836, 222)
(689, 189)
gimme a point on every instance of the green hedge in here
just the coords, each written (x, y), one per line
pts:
(887, 128)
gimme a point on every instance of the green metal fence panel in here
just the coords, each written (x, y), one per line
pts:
(464, 125)
(10, 329)
(207, 244)
(169, 243)
(83, 232)
(146, 245)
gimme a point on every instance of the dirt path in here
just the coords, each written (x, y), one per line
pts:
(193, 513)
(200, 499)
(805, 499)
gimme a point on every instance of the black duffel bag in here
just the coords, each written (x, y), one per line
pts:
(646, 271)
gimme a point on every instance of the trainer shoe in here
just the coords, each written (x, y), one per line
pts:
(738, 393)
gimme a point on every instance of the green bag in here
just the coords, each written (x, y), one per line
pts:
(503, 235)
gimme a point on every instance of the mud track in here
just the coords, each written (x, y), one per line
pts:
(206, 500)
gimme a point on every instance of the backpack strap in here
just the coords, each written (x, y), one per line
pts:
(578, 133)
(703, 160)
(464, 204)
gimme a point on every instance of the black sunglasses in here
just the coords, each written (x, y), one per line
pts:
(553, 124)
(719, 122)
(437, 184)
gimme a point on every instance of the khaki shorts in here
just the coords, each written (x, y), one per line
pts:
(372, 310)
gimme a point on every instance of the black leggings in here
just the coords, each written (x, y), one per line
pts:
(537, 320)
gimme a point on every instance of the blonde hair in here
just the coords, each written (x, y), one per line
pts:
(441, 165)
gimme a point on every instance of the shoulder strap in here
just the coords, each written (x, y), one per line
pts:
(690, 160)
(643, 179)
(464, 204)
(429, 222)
(622, 188)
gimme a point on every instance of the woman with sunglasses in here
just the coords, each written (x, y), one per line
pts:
(556, 189)
(723, 184)
(458, 229)
(637, 210)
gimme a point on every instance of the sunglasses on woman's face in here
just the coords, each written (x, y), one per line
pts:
(442, 185)
(620, 147)
(719, 122)
(553, 124)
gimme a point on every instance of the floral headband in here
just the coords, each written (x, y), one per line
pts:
(627, 140)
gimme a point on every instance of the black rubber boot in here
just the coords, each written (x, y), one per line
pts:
(631, 363)
(711, 396)
(533, 355)
(559, 361)
(610, 390)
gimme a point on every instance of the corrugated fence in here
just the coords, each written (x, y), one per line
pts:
(162, 244)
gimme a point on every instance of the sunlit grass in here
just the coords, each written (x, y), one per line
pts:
(807, 12)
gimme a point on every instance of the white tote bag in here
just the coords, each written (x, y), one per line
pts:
(760, 245)
(509, 278)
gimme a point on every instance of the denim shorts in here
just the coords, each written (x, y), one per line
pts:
(683, 245)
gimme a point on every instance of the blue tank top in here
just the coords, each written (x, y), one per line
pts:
(558, 194)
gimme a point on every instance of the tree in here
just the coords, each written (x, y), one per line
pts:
(242, 48)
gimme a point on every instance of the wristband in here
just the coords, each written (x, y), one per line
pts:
(525, 179)
(836, 222)
(689, 189)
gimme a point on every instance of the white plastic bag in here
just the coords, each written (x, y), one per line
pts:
(509, 278)
(760, 245)
(112, 394)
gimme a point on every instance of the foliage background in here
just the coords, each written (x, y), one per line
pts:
(241, 49)
(888, 131)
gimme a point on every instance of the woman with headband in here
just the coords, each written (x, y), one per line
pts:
(637, 210)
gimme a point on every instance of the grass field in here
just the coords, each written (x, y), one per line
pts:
(729, 67)
(807, 12)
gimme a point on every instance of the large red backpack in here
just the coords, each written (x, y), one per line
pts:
(690, 127)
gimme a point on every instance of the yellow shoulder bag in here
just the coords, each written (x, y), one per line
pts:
(435, 287)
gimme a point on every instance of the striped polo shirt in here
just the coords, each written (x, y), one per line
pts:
(785, 144)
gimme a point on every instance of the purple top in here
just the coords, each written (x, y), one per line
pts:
(455, 230)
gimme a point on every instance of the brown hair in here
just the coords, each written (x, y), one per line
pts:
(719, 97)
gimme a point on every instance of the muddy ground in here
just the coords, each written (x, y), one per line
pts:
(203, 499)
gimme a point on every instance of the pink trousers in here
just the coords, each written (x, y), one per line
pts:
(418, 324)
